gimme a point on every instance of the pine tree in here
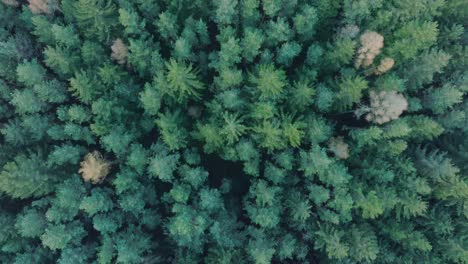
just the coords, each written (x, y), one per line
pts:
(58, 236)
(442, 99)
(30, 73)
(287, 52)
(329, 240)
(98, 202)
(31, 223)
(51, 91)
(95, 17)
(26, 102)
(9, 58)
(27, 176)
(305, 22)
(350, 92)
(412, 38)
(252, 43)
(223, 131)
(61, 60)
(65, 36)
(425, 66)
(42, 30)
(162, 164)
(131, 21)
(85, 87)
(268, 81)
(172, 132)
(65, 154)
(180, 81)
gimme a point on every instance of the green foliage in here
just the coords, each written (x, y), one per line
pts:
(84, 87)
(233, 128)
(330, 239)
(439, 100)
(172, 132)
(425, 67)
(179, 81)
(287, 52)
(314, 161)
(269, 136)
(424, 127)
(27, 176)
(302, 96)
(92, 53)
(413, 37)
(251, 43)
(99, 201)
(260, 250)
(51, 91)
(268, 81)
(131, 247)
(340, 52)
(138, 157)
(131, 21)
(365, 245)
(9, 58)
(167, 25)
(65, 154)
(233, 131)
(277, 31)
(163, 165)
(61, 60)
(225, 11)
(31, 223)
(30, 73)
(350, 92)
(65, 205)
(26, 102)
(184, 233)
(42, 29)
(139, 54)
(95, 17)
(65, 36)
(305, 22)
(55, 237)
(106, 250)
(371, 205)
(230, 51)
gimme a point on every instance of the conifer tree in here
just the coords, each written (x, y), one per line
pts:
(27, 176)
(327, 131)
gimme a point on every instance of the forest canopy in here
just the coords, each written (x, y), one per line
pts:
(233, 131)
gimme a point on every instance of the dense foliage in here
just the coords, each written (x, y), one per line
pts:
(233, 131)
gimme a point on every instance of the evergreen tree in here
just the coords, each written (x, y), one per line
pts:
(252, 131)
(27, 176)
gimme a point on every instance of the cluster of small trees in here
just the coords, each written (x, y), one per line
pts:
(181, 131)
